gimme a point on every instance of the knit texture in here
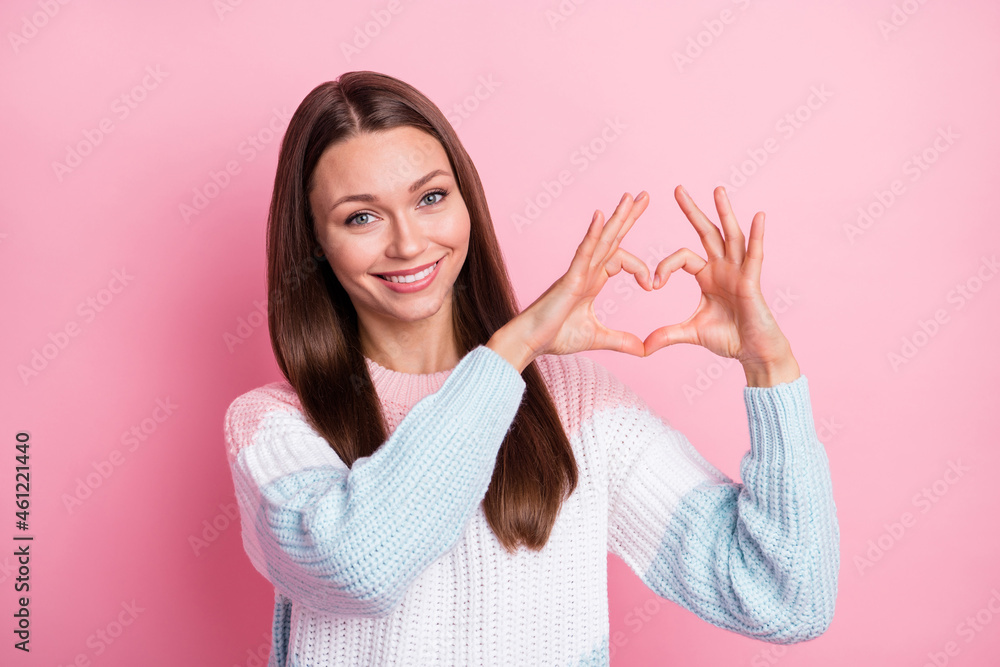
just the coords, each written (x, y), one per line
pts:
(392, 561)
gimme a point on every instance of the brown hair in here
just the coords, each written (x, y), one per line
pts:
(314, 327)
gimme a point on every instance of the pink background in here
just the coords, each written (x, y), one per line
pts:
(163, 330)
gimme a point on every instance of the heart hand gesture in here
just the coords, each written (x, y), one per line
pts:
(732, 319)
(562, 320)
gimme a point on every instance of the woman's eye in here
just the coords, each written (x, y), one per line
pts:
(356, 218)
(363, 218)
(436, 193)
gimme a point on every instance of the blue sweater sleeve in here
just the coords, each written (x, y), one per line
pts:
(760, 558)
(350, 540)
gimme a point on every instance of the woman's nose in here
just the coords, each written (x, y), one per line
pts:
(407, 235)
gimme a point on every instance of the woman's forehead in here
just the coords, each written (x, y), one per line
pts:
(387, 159)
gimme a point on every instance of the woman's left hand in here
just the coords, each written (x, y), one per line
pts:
(732, 319)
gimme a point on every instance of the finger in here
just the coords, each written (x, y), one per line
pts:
(672, 334)
(755, 249)
(586, 247)
(619, 341)
(622, 259)
(608, 242)
(609, 233)
(735, 241)
(638, 206)
(711, 238)
(682, 259)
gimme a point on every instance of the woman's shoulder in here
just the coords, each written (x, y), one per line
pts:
(248, 410)
(272, 395)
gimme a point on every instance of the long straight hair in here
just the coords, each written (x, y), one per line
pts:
(314, 326)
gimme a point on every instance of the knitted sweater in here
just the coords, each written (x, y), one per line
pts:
(392, 562)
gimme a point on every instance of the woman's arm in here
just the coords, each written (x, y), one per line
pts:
(350, 541)
(760, 558)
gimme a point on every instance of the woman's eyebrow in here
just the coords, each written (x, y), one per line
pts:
(416, 185)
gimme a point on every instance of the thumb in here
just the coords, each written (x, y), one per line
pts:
(618, 341)
(672, 334)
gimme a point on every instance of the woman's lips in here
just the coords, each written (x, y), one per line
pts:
(416, 285)
(409, 272)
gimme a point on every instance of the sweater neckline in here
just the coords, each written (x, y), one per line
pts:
(404, 388)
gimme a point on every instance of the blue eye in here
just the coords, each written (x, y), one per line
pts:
(443, 193)
(354, 219)
(351, 220)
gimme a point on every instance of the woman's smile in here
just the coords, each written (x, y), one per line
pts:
(411, 282)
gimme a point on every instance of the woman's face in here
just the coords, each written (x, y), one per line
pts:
(388, 202)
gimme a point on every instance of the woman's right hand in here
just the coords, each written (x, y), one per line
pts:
(562, 320)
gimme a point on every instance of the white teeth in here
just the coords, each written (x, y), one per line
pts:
(413, 277)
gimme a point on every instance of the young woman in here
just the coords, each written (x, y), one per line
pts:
(440, 479)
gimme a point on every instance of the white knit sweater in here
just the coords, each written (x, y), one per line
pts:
(392, 562)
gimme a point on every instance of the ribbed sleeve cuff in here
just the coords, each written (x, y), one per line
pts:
(781, 421)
